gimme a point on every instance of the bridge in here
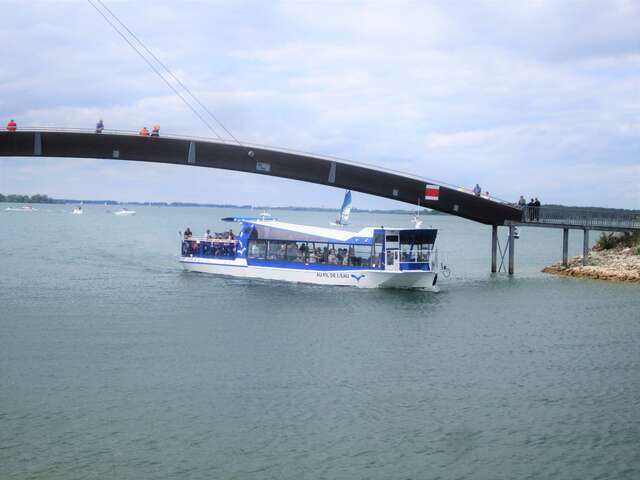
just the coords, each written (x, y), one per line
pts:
(322, 170)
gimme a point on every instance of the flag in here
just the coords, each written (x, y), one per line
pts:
(432, 192)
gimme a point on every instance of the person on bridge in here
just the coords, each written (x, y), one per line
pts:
(99, 126)
(536, 209)
(477, 190)
(12, 126)
(522, 202)
(530, 207)
(156, 131)
(144, 132)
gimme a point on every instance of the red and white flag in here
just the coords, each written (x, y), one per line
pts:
(432, 192)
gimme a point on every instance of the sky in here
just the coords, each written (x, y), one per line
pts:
(535, 98)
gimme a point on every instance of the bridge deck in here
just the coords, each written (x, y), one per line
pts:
(580, 218)
(258, 160)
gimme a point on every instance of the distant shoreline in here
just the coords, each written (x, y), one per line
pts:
(44, 199)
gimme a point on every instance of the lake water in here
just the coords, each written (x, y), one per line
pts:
(117, 364)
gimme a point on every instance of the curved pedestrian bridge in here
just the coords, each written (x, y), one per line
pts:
(201, 152)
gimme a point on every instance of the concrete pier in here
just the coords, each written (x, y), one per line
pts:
(494, 249)
(585, 248)
(565, 246)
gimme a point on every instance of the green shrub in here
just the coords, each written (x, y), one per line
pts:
(607, 241)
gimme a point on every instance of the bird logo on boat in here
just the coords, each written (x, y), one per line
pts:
(358, 277)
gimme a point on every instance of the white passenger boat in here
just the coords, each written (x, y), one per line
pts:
(273, 250)
(23, 208)
(77, 211)
(124, 212)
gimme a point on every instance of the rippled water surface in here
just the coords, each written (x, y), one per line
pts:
(116, 364)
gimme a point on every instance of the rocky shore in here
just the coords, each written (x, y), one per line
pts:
(618, 265)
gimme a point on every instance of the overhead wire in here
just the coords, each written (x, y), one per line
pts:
(153, 67)
(191, 94)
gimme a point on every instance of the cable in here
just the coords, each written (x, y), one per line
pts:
(156, 70)
(169, 72)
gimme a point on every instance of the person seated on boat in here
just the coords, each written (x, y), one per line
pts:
(99, 126)
(345, 261)
(12, 126)
(156, 131)
(144, 132)
(312, 258)
(231, 235)
(207, 234)
(187, 233)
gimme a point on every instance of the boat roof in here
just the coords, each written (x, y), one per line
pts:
(364, 236)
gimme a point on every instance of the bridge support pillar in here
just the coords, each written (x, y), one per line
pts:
(511, 248)
(585, 248)
(565, 246)
(494, 249)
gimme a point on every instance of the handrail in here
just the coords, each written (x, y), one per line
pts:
(133, 133)
(582, 217)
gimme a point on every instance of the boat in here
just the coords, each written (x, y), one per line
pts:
(374, 257)
(345, 211)
(124, 212)
(77, 211)
(23, 208)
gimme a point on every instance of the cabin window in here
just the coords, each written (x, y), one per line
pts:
(257, 249)
(415, 252)
(392, 238)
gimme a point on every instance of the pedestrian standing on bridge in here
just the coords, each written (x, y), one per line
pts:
(477, 190)
(12, 126)
(144, 132)
(156, 131)
(536, 208)
(530, 207)
(99, 126)
(522, 202)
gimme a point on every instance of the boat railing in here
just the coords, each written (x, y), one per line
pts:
(195, 238)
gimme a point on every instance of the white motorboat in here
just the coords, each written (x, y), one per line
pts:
(23, 208)
(124, 212)
(77, 211)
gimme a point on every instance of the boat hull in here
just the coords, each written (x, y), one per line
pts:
(365, 278)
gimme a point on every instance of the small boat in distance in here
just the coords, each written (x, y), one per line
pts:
(23, 208)
(345, 211)
(77, 211)
(374, 257)
(124, 212)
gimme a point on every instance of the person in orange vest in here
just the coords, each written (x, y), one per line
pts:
(156, 131)
(144, 132)
(12, 126)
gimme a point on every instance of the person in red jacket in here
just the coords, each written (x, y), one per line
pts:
(144, 132)
(12, 126)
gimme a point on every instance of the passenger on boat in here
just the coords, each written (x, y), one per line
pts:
(187, 233)
(208, 234)
(99, 126)
(231, 236)
(156, 131)
(144, 132)
(12, 126)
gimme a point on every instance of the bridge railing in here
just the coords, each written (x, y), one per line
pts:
(133, 133)
(581, 217)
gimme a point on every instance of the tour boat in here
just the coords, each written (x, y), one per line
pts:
(274, 250)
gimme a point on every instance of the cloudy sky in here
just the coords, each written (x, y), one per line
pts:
(539, 98)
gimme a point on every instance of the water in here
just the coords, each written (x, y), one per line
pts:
(116, 364)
